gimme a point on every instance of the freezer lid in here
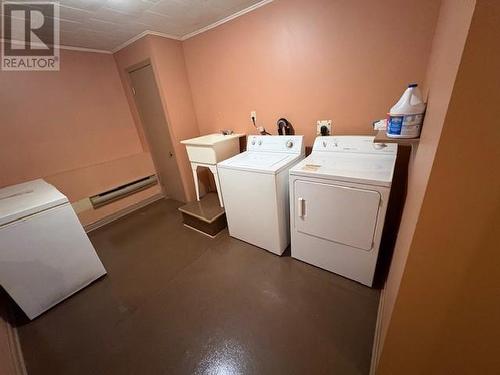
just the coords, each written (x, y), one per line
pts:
(25, 199)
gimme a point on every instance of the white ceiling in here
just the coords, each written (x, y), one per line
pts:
(108, 24)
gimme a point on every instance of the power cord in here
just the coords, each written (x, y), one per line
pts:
(261, 129)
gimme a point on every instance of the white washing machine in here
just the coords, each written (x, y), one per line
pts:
(45, 255)
(254, 188)
(338, 201)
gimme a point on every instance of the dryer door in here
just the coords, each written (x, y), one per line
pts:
(337, 213)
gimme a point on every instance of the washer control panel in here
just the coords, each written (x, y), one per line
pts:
(293, 144)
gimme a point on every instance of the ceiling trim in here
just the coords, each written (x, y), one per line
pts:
(83, 49)
(61, 46)
(196, 32)
(163, 35)
(227, 19)
(139, 36)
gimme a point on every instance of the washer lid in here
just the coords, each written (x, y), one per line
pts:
(25, 199)
(351, 167)
(265, 162)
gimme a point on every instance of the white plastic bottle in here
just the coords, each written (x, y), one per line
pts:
(406, 116)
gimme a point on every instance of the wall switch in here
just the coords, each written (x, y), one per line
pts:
(321, 123)
(253, 116)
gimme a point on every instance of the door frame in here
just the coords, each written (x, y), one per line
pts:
(130, 69)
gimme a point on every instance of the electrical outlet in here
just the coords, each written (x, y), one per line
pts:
(253, 116)
(320, 123)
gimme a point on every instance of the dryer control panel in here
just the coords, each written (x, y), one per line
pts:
(355, 144)
(290, 144)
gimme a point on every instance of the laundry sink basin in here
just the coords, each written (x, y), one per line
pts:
(212, 148)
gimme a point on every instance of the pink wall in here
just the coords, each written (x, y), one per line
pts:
(348, 61)
(88, 181)
(445, 320)
(167, 60)
(448, 44)
(53, 122)
(67, 126)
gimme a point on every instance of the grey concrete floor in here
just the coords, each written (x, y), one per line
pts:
(177, 302)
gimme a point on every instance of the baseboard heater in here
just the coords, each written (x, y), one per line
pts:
(122, 191)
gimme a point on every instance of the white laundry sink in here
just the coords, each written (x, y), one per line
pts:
(212, 148)
(207, 151)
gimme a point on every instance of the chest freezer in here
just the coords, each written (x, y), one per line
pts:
(45, 255)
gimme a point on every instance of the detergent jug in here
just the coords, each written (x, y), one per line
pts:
(407, 115)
